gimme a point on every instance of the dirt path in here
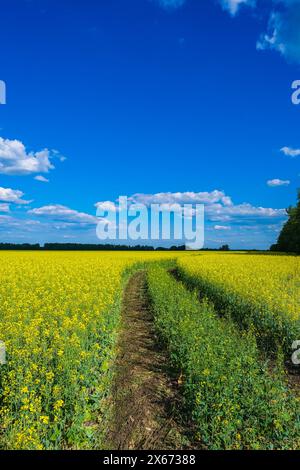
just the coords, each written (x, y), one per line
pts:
(145, 396)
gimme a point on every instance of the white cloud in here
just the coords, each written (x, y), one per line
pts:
(106, 206)
(277, 182)
(41, 178)
(4, 208)
(182, 198)
(290, 152)
(233, 5)
(57, 154)
(244, 210)
(53, 222)
(271, 40)
(7, 219)
(15, 160)
(220, 218)
(63, 213)
(222, 227)
(218, 206)
(283, 33)
(12, 195)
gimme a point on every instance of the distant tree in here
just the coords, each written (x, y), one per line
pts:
(289, 238)
(177, 248)
(224, 248)
(15, 246)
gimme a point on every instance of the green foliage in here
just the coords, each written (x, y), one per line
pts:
(233, 400)
(289, 238)
(224, 248)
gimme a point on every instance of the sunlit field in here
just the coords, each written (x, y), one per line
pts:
(60, 316)
(59, 313)
(262, 291)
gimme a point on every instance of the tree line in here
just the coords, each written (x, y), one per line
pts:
(84, 247)
(96, 247)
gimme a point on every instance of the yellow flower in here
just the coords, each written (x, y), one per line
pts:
(49, 376)
(44, 419)
(58, 404)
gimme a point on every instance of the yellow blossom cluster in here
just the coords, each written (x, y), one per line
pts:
(59, 314)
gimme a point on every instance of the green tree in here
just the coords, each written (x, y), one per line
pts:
(289, 238)
(224, 248)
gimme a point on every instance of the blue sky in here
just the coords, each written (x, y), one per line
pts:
(189, 99)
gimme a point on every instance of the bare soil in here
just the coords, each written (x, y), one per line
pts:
(146, 397)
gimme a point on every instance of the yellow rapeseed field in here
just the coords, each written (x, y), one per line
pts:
(263, 288)
(274, 280)
(59, 313)
(59, 320)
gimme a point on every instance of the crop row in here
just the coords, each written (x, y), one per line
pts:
(260, 292)
(230, 397)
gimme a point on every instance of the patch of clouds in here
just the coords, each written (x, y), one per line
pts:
(277, 182)
(233, 5)
(245, 211)
(290, 152)
(12, 195)
(222, 216)
(4, 207)
(283, 34)
(187, 197)
(222, 227)
(218, 205)
(17, 224)
(106, 206)
(225, 220)
(57, 154)
(16, 160)
(230, 5)
(7, 219)
(64, 213)
(41, 178)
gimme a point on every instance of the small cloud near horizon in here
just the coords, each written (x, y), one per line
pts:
(41, 178)
(277, 182)
(290, 152)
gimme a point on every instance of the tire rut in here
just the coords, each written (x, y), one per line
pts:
(145, 395)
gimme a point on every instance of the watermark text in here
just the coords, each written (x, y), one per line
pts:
(296, 93)
(166, 222)
(2, 92)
